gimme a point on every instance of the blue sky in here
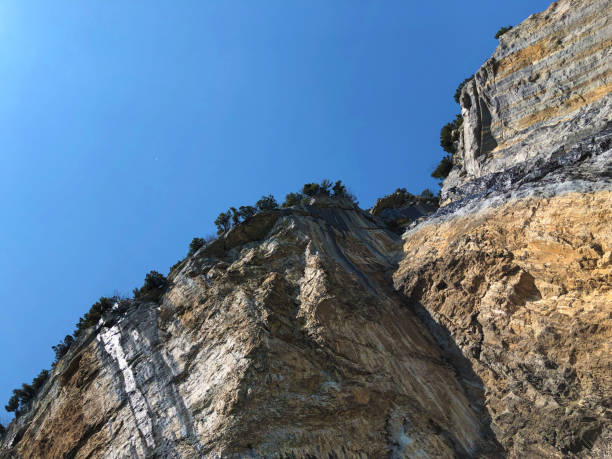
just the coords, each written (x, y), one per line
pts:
(127, 126)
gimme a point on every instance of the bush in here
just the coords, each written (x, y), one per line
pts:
(96, 311)
(63, 347)
(246, 212)
(325, 188)
(427, 194)
(2, 431)
(267, 203)
(153, 287)
(315, 189)
(293, 199)
(226, 220)
(13, 403)
(223, 222)
(20, 399)
(450, 133)
(460, 87)
(340, 191)
(40, 380)
(196, 244)
(502, 31)
(443, 169)
(446, 137)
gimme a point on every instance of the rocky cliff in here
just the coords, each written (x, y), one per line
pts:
(514, 272)
(319, 331)
(285, 338)
(546, 86)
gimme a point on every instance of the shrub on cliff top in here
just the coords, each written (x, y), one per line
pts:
(293, 199)
(449, 134)
(13, 404)
(40, 380)
(94, 314)
(223, 222)
(325, 188)
(196, 244)
(153, 287)
(316, 189)
(502, 31)
(62, 347)
(457, 95)
(443, 169)
(267, 203)
(21, 398)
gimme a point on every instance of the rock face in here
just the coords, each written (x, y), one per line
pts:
(319, 331)
(546, 86)
(514, 273)
(400, 209)
(524, 289)
(286, 340)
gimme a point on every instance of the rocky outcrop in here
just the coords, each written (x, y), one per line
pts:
(523, 290)
(547, 86)
(285, 338)
(401, 209)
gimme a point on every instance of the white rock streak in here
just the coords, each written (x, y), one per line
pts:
(111, 340)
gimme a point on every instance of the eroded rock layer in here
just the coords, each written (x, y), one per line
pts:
(547, 85)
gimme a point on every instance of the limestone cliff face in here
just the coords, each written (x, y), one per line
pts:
(283, 339)
(514, 273)
(319, 331)
(546, 86)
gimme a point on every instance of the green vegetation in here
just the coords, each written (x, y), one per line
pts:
(403, 198)
(40, 380)
(153, 286)
(502, 31)
(21, 398)
(2, 431)
(196, 244)
(292, 199)
(267, 203)
(427, 195)
(62, 348)
(460, 87)
(325, 188)
(92, 317)
(223, 222)
(233, 217)
(450, 133)
(444, 168)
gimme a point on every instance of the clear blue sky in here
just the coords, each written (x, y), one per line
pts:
(127, 126)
